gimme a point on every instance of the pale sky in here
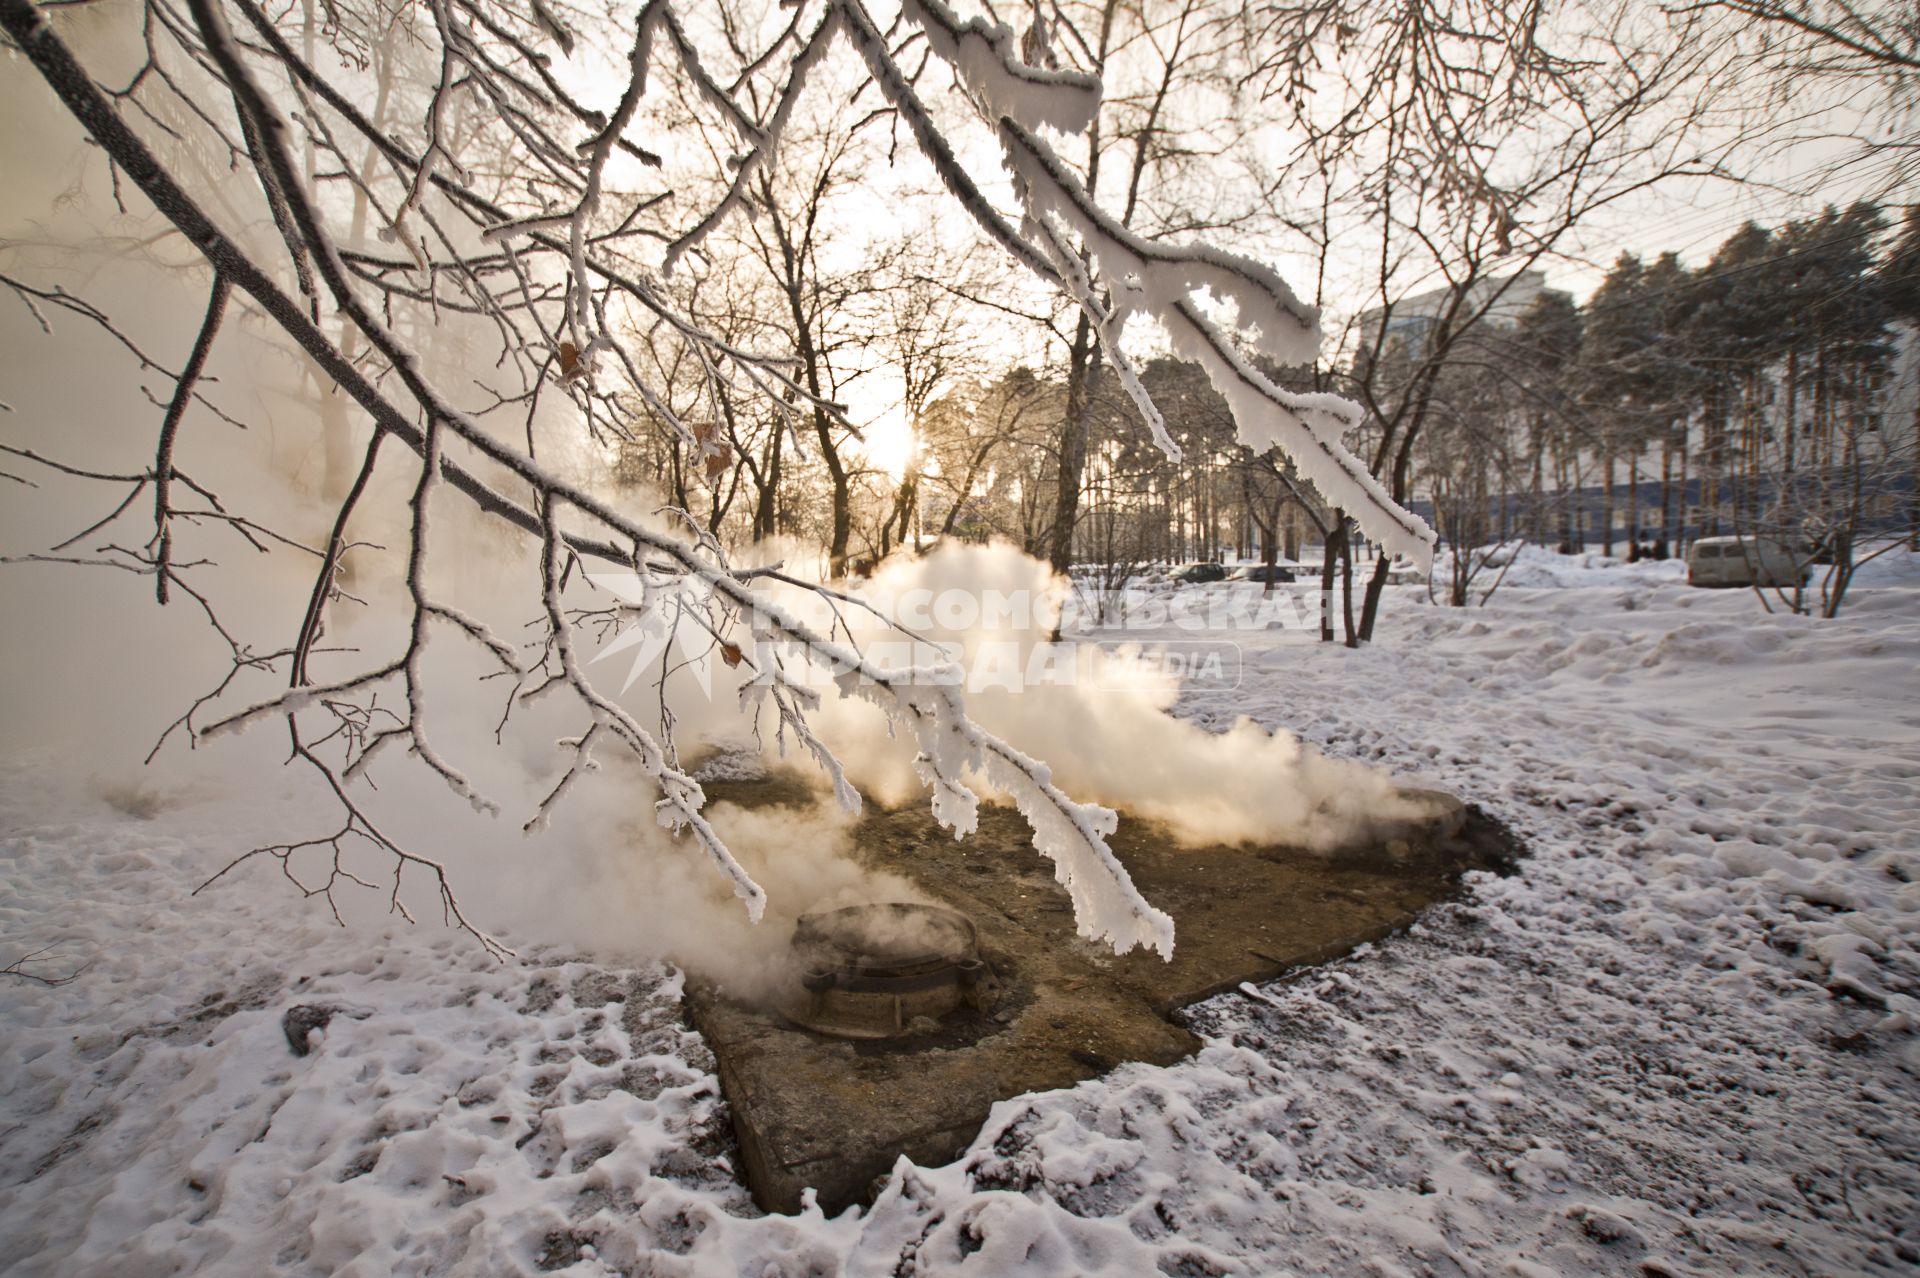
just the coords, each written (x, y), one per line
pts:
(1690, 218)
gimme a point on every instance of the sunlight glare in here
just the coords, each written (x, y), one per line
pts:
(888, 444)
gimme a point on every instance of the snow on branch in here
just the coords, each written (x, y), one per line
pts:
(513, 222)
(1150, 277)
(1145, 277)
(986, 57)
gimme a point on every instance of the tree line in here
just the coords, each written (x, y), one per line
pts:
(1758, 393)
(1480, 415)
(1755, 393)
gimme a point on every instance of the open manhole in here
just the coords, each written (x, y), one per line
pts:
(887, 970)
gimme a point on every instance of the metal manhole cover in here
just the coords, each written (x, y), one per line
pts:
(883, 970)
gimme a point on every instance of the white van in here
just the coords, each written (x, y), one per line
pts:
(1746, 561)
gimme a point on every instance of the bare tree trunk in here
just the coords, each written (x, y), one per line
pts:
(1793, 401)
(1712, 446)
(1633, 504)
(842, 526)
(1269, 543)
(1400, 487)
(1680, 523)
(766, 510)
(1606, 505)
(1346, 580)
(1081, 371)
(1329, 555)
(1666, 496)
(1536, 527)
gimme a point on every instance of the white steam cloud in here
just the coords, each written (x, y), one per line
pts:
(96, 670)
(1109, 733)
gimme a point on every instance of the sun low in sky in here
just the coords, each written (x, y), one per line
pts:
(887, 443)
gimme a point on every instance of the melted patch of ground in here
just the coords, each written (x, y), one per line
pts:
(833, 1115)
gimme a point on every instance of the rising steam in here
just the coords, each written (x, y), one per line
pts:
(96, 671)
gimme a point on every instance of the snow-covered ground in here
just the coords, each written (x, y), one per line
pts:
(1681, 1040)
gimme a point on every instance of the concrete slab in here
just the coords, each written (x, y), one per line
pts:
(834, 1115)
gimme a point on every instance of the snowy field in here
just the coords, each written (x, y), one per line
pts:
(1680, 1041)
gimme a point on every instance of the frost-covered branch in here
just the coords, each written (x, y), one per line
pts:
(522, 215)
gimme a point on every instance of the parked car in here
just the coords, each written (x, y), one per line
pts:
(1258, 572)
(1196, 574)
(1746, 561)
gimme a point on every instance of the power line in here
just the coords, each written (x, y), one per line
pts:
(1692, 279)
(1720, 225)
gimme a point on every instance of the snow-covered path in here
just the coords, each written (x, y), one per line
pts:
(1681, 1040)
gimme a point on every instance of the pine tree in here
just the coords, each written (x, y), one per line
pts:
(1616, 378)
(1732, 331)
(1546, 343)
